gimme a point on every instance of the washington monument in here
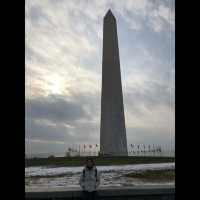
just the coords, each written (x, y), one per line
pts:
(113, 140)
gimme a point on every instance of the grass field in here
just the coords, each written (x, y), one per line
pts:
(79, 161)
(153, 175)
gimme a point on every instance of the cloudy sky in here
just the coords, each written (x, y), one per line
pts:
(64, 64)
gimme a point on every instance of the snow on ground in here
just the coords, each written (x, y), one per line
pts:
(46, 171)
(69, 176)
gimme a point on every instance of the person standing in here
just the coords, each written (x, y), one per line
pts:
(89, 180)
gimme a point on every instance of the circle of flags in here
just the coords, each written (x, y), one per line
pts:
(133, 150)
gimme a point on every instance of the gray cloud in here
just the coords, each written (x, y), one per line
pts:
(72, 133)
(151, 96)
(54, 108)
(54, 119)
(45, 132)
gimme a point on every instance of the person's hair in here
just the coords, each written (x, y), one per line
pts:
(90, 159)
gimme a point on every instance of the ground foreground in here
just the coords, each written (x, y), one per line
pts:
(155, 192)
(79, 161)
(112, 175)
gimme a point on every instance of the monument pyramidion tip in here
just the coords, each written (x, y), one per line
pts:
(109, 14)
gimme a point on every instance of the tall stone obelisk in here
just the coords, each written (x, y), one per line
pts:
(112, 131)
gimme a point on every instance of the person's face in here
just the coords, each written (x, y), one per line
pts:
(89, 163)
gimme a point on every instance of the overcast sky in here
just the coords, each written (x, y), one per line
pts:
(64, 64)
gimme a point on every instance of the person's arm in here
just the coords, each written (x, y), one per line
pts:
(98, 180)
(81, 181)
